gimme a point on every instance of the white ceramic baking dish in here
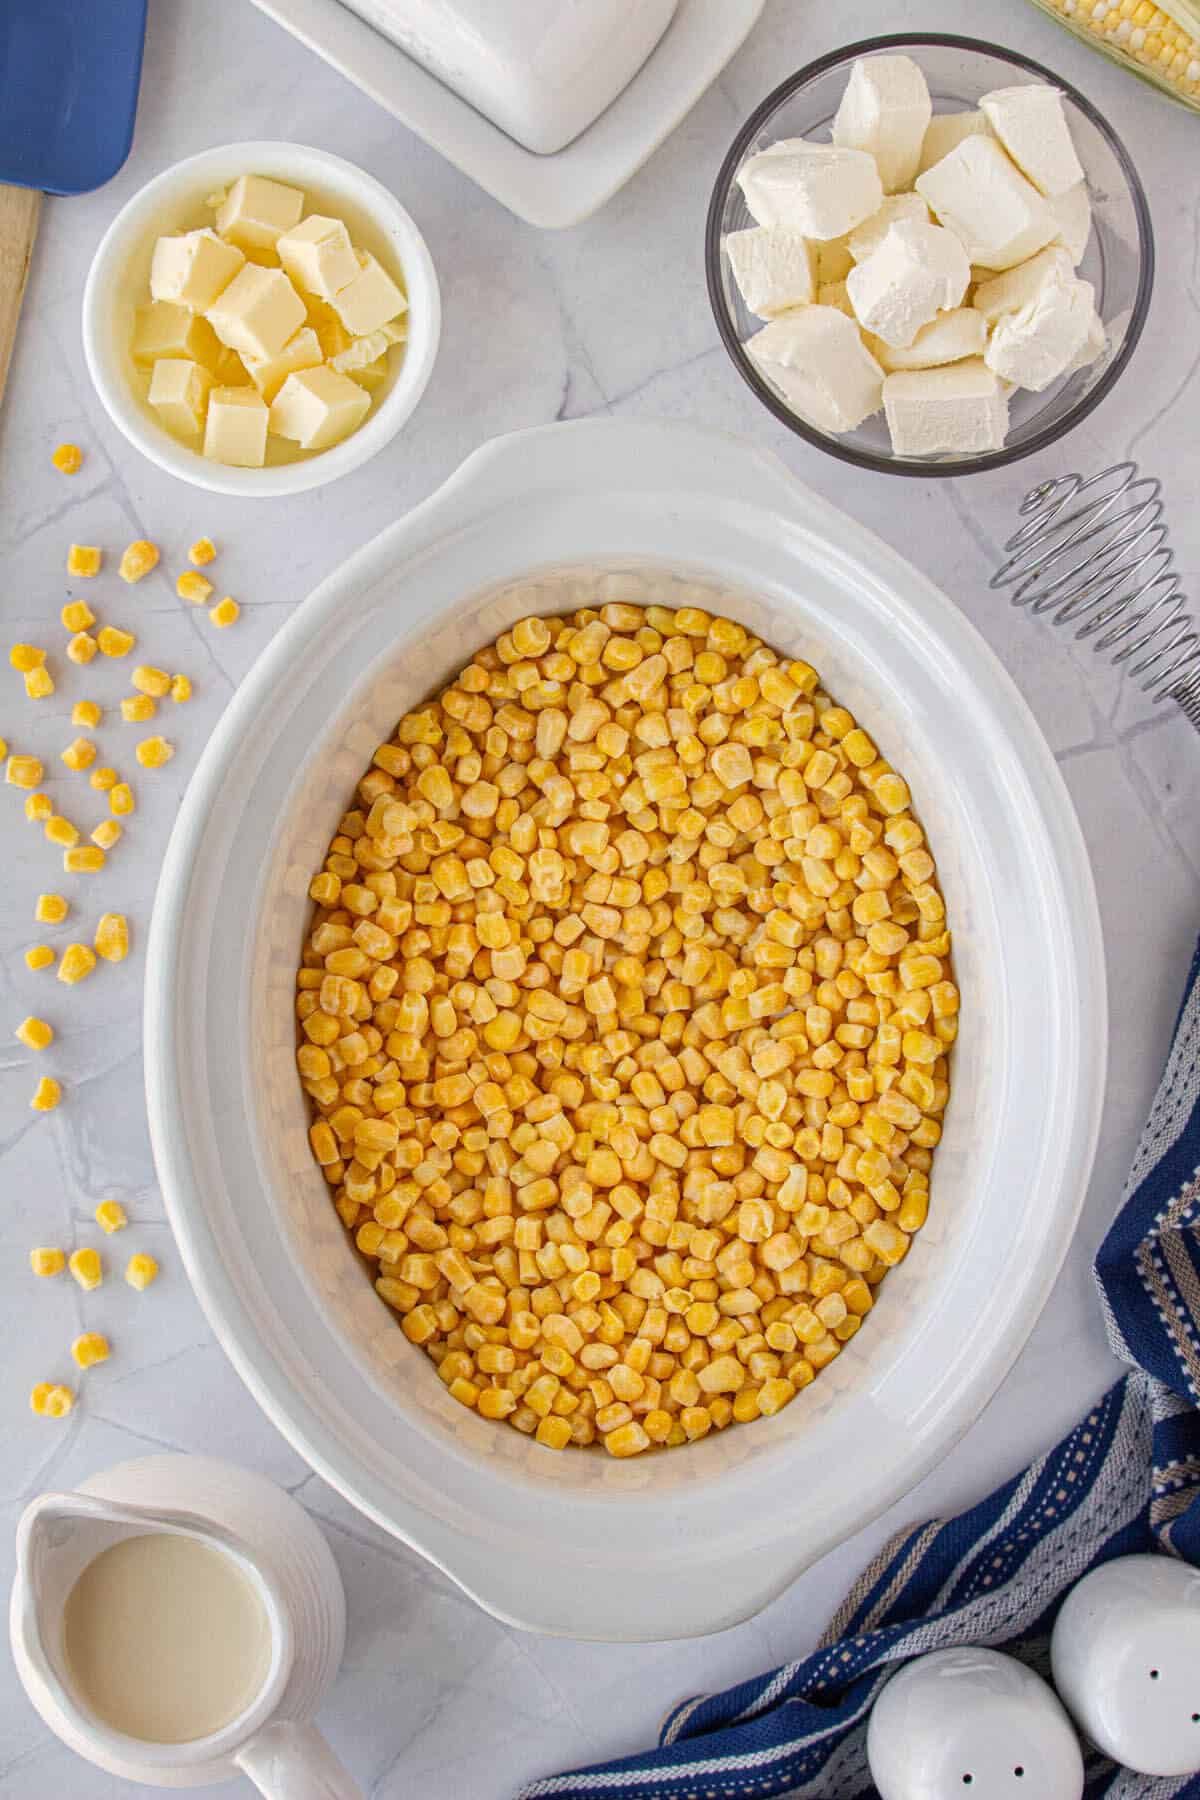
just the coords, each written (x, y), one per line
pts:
(664, 1545)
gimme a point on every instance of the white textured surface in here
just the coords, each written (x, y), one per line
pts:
(434, 1696)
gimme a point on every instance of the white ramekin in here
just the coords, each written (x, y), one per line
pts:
(551, 519)
(118, 282)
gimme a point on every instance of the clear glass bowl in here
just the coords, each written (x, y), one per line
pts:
(1119, 261)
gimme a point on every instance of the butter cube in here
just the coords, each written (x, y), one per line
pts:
(179, 390)
(946, 131)
(1073, 215)
(255, 211)
(816, 358)
(1030, 122)
(236, 432)
(396, 330)
(318, 407)
(1014, 289)
(360, 352)
(166, 329)
(318, 255)
(331, 333)
(986, 201)
(370, 299)
(193, 268)
(961, 409)
(268, 373)
(1057, 332)
(371, 375)
(819, 190)
(948, 338)
(774, 268)
(866, 238)
(885, 110)
(258, 312)
(918, 271)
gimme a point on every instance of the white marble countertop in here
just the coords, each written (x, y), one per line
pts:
(611, 317)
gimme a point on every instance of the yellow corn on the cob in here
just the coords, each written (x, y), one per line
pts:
(1160, 43)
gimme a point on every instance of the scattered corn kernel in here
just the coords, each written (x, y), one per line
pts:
(103, 779)
(84, 560)
(51, 1400)
(110, 1216)
(80, 754)
(45, 1260)
(35, 1034)
(139, 558)
(225, 612)
(107, 833)
(112, 937)
(181, 688)
(77, 961)
(51, 909)
(112, 641)
(26, 657)
(202, 552)
(61, 831)
(86, 1267)
(90, 1348)
(82, 648)
(23, 771)
(39, 956)
(153, 752)
(84, 859)
(120, 798)
(68, 459)
(148, 680)
(140, 1270)
(46, 1095)
(136, 709)
(38, 808)
(86, 713)
(194, 587)
(77, 615)
(39, 683)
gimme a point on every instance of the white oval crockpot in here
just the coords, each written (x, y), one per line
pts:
(576, 1543)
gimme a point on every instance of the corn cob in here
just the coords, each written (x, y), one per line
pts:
(1160, 43)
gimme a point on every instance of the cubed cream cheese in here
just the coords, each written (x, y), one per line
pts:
(819, 190)
(318, 407)
(256, 210)
(1057, 332)
(775, 269)
(949, 338)
(834, 261)
(918, 271)
(961, 409)
(1014, 289)
(268, 373)
(946, 131)
(318, 255)
(1030, 122)
(258, 312)
(833, 293)
(866, 238)
(816, 358)
(193, 268)
(166, 329)
(986, 201)
(1073, 215)
(179, 390)
(370, 299)
(236, 429)
(885, 110)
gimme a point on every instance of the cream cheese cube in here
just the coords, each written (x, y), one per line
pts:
(258, 312)
(960, 409)
(946, 131)
(166, 329)
(179, 390)
(1073, 214)
(370, 299)
(318, 255)
(866, 238)
(268, 373)
(949, 338)
(918, 271)
(1057, 332)
(819, 190)
(775, 269)
(256, 210)
(833, 293)
(193, 268)
(1014, 289)
(834, 261)
(236, 431)
(318, 407)
(885, 110)
(986, 201)
(816, 358)
(1031, 124)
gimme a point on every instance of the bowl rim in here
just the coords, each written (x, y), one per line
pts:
(867, 459)
(283, 479)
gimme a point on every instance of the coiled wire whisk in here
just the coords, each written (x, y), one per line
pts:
(1094, 554)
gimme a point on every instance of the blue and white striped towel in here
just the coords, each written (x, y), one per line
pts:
(1127, 1478)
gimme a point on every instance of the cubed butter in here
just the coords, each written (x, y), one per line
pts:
(268, 373)
(819, 190)
(1014, 289)
(370, 375)
(885, 110)
(166, 329)
(961, 409)
(948, 338)
(236, 431)
(1057, 332)
(986, 201)
(179, 391)
(774, 268)
(318, 407)
(258, 312)
(331, 333)
(816, 358)
(370, 299)
(193, 268)
(1030, 122)
(318, 255)
(256, 210)
(361, 352)
(946, 131)
(918, 271)
(866, 238)
(1072, 213)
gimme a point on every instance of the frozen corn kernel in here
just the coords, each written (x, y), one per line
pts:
(90, 1348)
(51, 909)
(120, 798)
(77, 615)
(202, 552)
(68, 459)
(51, 1400)
(35, 1034)
(26, 657)
(110, 1216)
(148, 680)
(46, 1095)
(112, 937)
(61, 831)
(140, 1270)
(225, 612)
(181, 688)
(103, 779)
(107, 833)
(112, 641)
(86, 713)
(86, 1267)
(46, 1260)
(153, 752)
(79, 754)
(136, 709)
(39, 683)
(77, 961)
(84, 560)
(139, 558)
(38, 808)
(83, 859)
(39, 956)
(192, 586)
(23, 771)
(82, 648)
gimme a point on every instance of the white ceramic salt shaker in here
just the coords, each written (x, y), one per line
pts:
(1126, 1659)
(971, 1724)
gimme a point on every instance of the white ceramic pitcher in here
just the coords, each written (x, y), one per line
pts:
(287, 1561)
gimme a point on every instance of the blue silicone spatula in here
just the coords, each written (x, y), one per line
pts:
(69, 73)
